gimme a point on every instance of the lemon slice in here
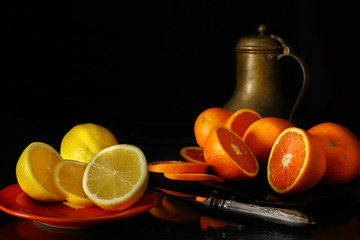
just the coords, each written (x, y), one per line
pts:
(116, 177)
(68, 178)
(34, 172)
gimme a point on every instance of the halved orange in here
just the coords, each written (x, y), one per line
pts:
(177, 167)
(229, 156)
(240, 120)
(296, 162)
(193, 154)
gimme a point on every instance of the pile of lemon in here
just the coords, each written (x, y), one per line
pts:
(91, 169)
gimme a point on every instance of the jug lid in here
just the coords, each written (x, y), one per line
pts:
(259, 42)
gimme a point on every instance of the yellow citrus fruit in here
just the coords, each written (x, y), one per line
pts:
(84, 141)
(116, 177)
(68, 178)
(34, 172)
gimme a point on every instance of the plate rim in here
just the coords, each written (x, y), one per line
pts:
(118, 215)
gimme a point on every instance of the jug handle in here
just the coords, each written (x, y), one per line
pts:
(286, 53)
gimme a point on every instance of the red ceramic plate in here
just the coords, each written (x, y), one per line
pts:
(17, 203)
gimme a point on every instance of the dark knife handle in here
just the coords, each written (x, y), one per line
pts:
(270, 214)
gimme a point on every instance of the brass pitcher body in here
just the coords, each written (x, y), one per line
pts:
(259, 77)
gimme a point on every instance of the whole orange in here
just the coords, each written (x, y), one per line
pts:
(261, 135)
(207, 120)
(342, 152)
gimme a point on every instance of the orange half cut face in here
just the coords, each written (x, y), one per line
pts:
(296, 162)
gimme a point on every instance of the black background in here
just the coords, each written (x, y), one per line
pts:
(123, 62)
(146, 69)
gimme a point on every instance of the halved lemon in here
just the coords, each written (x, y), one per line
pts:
(34, 172)
(68, 178)
(116, 177)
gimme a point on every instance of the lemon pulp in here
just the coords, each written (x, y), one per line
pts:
(116, 177)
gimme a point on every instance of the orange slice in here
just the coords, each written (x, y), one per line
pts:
(240, 120)
(193, 177)
(229, 156)
(175, 193)
(296, 162)
(193, 154)
(177, 167)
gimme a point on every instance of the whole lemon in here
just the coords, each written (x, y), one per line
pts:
(84, 141)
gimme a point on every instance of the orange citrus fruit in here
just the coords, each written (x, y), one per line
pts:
(34, 172)
(68, 177)
(261, 135)
(296, 163)
(193, 154)
(117, 177)
(342, 152)
(207, 120)
(240, 120)
(193, 177)
(175, 193)
(229, 156)
(177, 167)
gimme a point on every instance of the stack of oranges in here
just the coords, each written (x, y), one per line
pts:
(236, 145)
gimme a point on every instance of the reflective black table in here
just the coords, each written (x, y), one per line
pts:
(337, 217)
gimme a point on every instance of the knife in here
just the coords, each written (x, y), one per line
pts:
(233, 208)
(230, 207)
(275, 215)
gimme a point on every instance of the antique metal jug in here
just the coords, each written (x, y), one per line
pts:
(259, 77)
